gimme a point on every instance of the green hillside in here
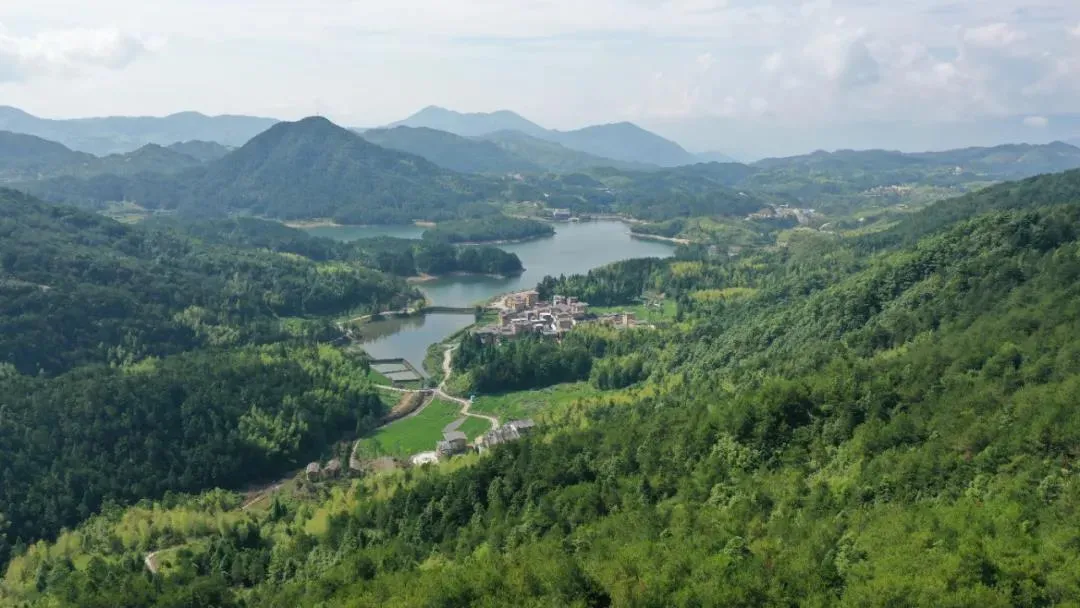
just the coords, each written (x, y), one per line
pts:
(306, 169)
(25, 157)
(450, 151)
(887, 420)
(204, 151)
(79, 288)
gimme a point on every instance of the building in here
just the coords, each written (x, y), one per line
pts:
(453, 442)
(333, 468)
(521, 300)
(524, 314)
(313, 470)
(561, 215)
(509, 432)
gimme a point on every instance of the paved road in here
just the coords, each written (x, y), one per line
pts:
(466, 405)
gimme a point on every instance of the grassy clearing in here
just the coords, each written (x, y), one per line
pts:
(647, 314)
(411, 435)
(376, 378)
(473, 427)
(533, 404)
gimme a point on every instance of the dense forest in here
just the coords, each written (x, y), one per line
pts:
(399, 257)
(180, 424)
(80, 288)
(306, 169)
(489, 229)
(885, 419)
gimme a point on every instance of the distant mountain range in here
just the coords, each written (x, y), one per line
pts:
(622, 141)
(306, 169)
(315, 169)
(1008, 161)
(26, 157)
(500, 152)
(119, 134)
(471, 124)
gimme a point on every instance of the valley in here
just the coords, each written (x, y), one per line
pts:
(847, 381)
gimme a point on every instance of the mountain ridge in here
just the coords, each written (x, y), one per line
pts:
(622, 141)
(120, 134)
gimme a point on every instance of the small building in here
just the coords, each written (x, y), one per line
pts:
(561, 215)
(453, 442)
(313, 470)
(509, 432)
(333, 468)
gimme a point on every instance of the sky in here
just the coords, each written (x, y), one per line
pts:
(707, 72)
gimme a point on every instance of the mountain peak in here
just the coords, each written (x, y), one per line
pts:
(470, 124)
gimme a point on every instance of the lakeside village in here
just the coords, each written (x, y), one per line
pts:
(523, 313)
(520, 314)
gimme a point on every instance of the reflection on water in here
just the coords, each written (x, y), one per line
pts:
(409, 337)
(575, 248)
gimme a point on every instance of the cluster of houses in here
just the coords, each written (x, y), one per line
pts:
(316, 471)
(803, 216)
(509, 432)
(455, 442)
(523, 313)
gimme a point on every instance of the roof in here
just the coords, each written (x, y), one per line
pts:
(452, 435)
(313, 467)
(527, 423)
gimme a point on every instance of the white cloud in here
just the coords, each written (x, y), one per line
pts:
(994, 35)
(66, 52)
(705, 61)
(773, 62)
(1074, 31)
(1037, 122)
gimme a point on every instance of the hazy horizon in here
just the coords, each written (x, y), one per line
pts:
(709, 74)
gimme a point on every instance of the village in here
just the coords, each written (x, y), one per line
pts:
(520, 314)
(523, 313)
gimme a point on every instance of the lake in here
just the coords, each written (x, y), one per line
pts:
(576, 248)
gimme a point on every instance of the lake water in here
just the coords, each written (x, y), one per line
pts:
(574, 249)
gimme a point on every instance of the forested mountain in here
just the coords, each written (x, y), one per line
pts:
(204, 151)
(150, 158)
(313, 168)
(79, 288)
(554, 156)
(881, 420)
(626, 142)
(1007, 161)
(450, 151)
(469, 124)
(306, 169)
(25, 157)
(623, 141)
(120, 134)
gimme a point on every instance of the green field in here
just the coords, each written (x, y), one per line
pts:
(411, 435)
(531, 404)
(376, 378)
(473, 427)
(645, 314)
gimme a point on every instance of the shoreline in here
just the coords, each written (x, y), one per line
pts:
(329, 223)
(301, 224)
(504, 241)
(656, 237)
(426, 278)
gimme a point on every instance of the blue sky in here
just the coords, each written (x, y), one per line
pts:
(670, 64)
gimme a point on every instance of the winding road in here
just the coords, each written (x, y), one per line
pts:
(465, 404)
